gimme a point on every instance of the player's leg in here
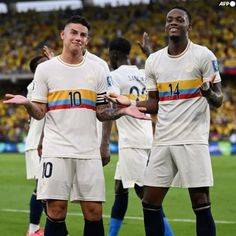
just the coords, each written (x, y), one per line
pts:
(35, 206)
(56, 215)
(93, 225)
(36, 209)
(159, 175)
(168, 231)
(119, 208)
(89, 190)
(195, 172)
(54, 186)
(152, 210)
(200, 199)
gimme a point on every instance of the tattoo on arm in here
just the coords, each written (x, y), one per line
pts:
(105, 112)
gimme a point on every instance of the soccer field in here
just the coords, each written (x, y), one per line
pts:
(15, 192)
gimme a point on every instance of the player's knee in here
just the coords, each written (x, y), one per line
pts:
(93, 212)
(56, 210)
(119, 189)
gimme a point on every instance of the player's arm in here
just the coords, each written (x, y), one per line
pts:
(151, 104)
(104, 147)
(35, 109)
(104, 112)
(212, 92)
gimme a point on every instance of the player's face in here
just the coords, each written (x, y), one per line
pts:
(75, 38)
(177, 24)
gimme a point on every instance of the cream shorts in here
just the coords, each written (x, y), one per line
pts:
(71, 179)
(188, 165)
(131, 165)
(32, 161)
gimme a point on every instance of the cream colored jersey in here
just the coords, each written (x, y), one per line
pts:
(71, 93)
(35, 128)
(183, 115)
(128, 80)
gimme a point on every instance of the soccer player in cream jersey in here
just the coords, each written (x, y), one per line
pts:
(104, 142)
(69, 89)
(135, 136)
(182, 80)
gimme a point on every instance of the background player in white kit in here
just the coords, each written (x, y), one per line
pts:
(32, 158)
(69, 90)
(135, 136)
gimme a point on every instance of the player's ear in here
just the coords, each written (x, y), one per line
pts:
(190, 27)
(62, 34)
(88, 40)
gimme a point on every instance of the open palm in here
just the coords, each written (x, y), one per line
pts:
(15, 99)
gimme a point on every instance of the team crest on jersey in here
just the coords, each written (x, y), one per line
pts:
(109, 81)
(215, 65)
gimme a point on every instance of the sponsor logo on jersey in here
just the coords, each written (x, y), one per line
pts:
(215, 65)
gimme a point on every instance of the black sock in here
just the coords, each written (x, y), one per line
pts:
(205, 222)
(153, 220)
(55, 228)
(36, 209)
(93, 228)
(120, 206)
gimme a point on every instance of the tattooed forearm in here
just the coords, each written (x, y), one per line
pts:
(105, 112)
(36, 110)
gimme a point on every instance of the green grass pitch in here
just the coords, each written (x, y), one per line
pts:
(15, 192)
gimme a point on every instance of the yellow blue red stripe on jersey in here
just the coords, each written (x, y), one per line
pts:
(71, 99)
(181, 89)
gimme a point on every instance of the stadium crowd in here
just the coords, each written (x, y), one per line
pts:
(24, 34)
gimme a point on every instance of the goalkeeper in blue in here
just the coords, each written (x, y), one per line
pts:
(183, 81)
(135, 136)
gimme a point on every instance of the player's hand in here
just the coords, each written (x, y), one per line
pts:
(207, 85)
(15, 99)
(105, 154)
(48, 52)
(145, 45)
(118, 99)
(136, 112)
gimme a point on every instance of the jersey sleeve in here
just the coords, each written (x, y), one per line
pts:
(151, 82)
(39, 86)
(209, 66)
(103, 77)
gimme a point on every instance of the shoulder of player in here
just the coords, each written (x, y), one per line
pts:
(95, 58)
(153, 56)
(96, 64)
(46, 64)
(200, 50)
(124, 70)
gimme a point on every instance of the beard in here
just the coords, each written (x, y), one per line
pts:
(175, 39)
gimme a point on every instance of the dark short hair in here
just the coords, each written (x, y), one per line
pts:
(185, 10)
(77, 19)
(120, 44)
(35, 62)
